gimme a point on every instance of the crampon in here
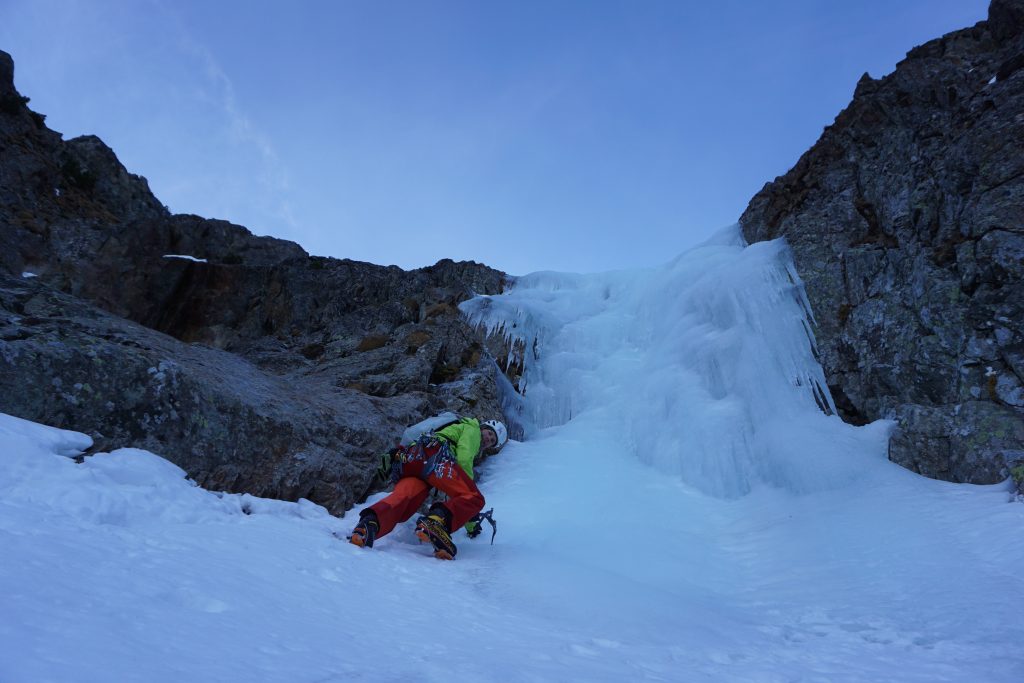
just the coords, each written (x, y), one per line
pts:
(433, 530)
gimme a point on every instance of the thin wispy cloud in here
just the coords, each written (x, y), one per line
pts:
(273, 176)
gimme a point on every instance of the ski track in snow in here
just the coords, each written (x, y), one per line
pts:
(697, 519)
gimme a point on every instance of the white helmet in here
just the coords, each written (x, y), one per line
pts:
(499, 431)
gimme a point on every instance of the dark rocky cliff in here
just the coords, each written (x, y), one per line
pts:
(906, 220)
(255, 367)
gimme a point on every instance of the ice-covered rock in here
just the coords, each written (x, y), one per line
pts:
(906, 220)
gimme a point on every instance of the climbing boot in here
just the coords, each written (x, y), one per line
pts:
(365, 531)
(433, 529)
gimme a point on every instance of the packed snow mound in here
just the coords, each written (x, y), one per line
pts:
(128, 487)
(706, 367)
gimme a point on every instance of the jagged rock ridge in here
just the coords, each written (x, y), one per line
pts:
(906, 219)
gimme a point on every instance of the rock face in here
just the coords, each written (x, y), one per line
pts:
(251, 365)
(906, 220)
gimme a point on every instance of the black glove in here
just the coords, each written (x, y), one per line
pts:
(388, 460)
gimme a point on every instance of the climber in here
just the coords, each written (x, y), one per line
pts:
(441, 460)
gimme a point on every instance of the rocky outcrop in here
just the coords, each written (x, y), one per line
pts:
(906, 221)
(247, 362)
(228, 424)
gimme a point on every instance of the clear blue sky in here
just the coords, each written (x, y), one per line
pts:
(578, 136)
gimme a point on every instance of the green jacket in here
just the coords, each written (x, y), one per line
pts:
(464, 439)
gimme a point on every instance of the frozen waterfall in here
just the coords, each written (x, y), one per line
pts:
(704, 367)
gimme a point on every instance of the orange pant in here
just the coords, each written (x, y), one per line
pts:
(412, 489)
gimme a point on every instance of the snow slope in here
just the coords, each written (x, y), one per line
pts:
(681, 511)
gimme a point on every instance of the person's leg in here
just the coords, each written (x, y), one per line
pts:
(400, 505)
(464, 498)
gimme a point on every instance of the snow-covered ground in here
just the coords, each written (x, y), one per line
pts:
(186, 257)
(681, 511)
